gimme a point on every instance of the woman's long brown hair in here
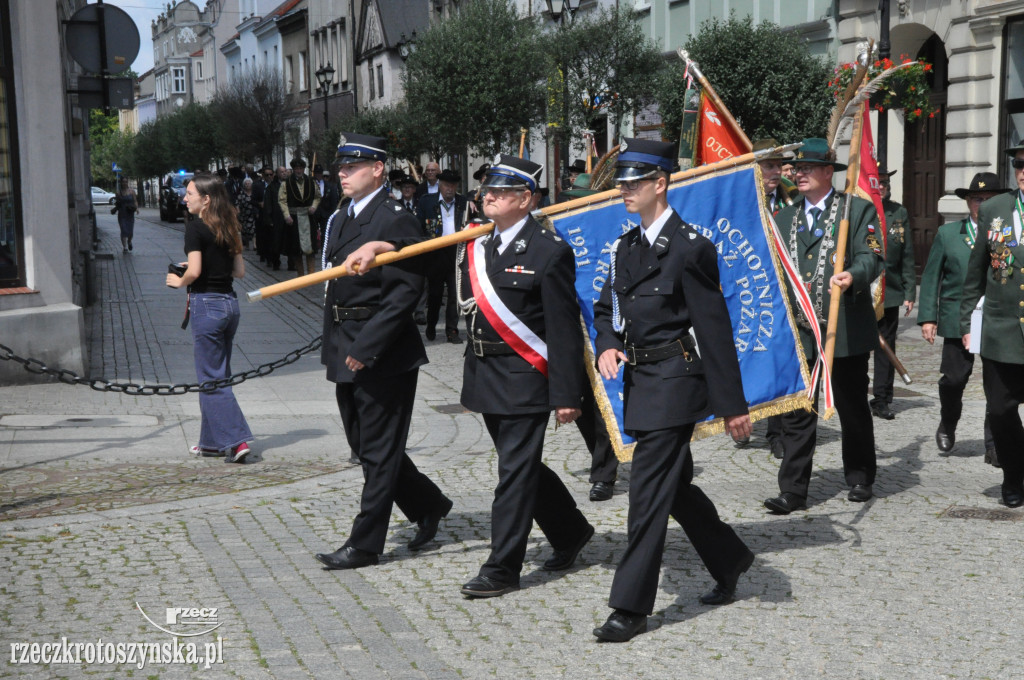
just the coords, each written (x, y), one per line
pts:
(220, 216)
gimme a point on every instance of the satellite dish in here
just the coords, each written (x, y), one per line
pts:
(83, 38)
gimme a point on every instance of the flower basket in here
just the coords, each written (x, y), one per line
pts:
(905, 89)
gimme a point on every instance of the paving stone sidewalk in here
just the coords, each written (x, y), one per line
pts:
(105, 518)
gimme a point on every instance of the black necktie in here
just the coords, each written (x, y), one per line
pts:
(495, 247)
(815, 214)
(644, 241)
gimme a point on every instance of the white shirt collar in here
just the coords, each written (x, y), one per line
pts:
(509, 234)
(652, 232)
(357, 207)
(820, 205)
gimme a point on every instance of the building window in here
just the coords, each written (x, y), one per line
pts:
(1013, 94)
(303, 73)
(289, 74)
(380, 79)
(199, 70)
(369, 67)
(12, 250)
(178, 78)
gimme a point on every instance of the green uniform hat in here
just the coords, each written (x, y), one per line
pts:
(815, 151)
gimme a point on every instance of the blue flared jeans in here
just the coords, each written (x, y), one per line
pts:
(214, 322)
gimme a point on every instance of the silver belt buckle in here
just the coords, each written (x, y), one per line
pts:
(478, 348)
(630, 354)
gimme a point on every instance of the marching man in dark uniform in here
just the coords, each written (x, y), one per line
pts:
(942, 284)
(665, 282)
(809, 229)
(994, 270)
(373, 351)
(517, 287)
(900, 290)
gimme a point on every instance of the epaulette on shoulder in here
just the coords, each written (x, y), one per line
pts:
(393, 205)
(551, 235)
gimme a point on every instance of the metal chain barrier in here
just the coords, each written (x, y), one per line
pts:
(134, 390)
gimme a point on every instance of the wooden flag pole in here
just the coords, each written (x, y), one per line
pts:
(835, 295)
(469, 234)
(715, 99)
(522, 141)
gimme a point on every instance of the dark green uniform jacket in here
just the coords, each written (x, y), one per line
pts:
(942, 281)
(857, 332)
(1002, 331)
(900, 276)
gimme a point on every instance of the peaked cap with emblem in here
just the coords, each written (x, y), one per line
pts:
(815, 151)
(640, 158)
(355, 148)
(405, 180)
(983, 183)
(771, 143)
(511, 172)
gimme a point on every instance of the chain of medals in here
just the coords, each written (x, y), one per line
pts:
(972, 233)
(828, 226)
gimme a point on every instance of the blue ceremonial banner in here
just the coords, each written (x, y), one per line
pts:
(726, 207)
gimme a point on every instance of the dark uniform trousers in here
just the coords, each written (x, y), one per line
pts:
(885, 373)
(604, 466)
(1004, 391)
(660, 484)
(527, 491)
(849, 385)
(376, 416)
(441, 282)
(956, 368)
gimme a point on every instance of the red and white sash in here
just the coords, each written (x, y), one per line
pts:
(511, 329)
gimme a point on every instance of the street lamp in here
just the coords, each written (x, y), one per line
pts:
(325, 76)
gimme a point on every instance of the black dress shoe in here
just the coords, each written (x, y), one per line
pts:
(945, 439)
(602, 491)
(785, 503)
(880, 409)
(724, 592)
(484, 586)
(563, 559)
(778, 451)
(428, 524)
(453, 337)
(1013, 496)
(860, 493)
(431, 333)
(420, 318)
(621, 626)
(347, 558)
(991, 457)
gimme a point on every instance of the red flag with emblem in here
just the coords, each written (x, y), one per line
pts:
(869, 188)
(717, 141)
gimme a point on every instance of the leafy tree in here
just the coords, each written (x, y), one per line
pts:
(148, 155)
(250, 115)
(116, 147)
(477, 78)
(766, 76)
(609, 67)
(189, 137)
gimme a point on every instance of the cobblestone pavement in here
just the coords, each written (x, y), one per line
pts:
(104, 517)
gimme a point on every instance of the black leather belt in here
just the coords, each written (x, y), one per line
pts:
(483, 348)
(647, 355)
(352, 313)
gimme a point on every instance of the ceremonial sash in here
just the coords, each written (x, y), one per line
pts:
(803, 300)
(511, 329)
